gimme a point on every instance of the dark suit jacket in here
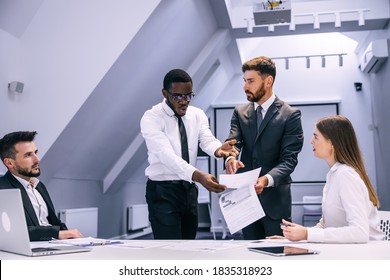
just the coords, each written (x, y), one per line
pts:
(36, 232)
(275, 149)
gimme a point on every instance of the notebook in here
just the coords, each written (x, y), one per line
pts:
(13, 229)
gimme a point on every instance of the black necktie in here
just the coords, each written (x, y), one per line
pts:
(259, 116)
(183, 139)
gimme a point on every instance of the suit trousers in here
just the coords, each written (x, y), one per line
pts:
(262, 228)
(173, 209)
(268, 226)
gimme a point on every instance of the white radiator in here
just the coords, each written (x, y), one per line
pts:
(137, 217)
(83, 219)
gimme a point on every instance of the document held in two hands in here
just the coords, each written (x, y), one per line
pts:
(239, 204)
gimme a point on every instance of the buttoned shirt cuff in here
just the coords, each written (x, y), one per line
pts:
(189, 171)
(270, 181)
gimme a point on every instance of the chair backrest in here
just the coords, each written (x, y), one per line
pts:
(384, 226)
(312, 209)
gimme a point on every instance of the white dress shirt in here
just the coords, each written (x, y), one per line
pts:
(159, 127)
(36, 199)
(348, 215)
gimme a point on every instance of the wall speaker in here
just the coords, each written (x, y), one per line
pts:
(16, 87)
(358, 86)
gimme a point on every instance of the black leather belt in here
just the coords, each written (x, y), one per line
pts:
(184, 183)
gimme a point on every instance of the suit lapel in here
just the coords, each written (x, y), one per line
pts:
(272, 110)
(29, 209)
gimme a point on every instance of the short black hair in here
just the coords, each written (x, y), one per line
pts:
(176, 76)
(8, 142)
(264, 65)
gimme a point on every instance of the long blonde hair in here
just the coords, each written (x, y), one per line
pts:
(340, 132)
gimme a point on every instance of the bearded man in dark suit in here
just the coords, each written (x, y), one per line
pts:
(269, 135)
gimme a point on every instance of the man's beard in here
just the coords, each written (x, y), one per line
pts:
(174, 109)
(256, 97)
(28, 173)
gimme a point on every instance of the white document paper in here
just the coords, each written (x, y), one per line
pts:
(86, 241)
(240, 208)
(235, 181)
(143, 244)
(204, 245)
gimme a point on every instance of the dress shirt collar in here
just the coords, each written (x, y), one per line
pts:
(168, 110)
(267, 103)
(335, 167)
(34, 181)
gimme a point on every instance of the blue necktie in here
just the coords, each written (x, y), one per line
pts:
(259, 116)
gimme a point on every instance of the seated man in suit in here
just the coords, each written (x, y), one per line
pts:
(19, 154)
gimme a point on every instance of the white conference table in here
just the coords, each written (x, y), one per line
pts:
(216, 250)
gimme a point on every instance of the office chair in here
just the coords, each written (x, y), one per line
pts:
(311, 213)
(385, 223)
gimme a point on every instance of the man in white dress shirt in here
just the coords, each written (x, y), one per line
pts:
(171, 193)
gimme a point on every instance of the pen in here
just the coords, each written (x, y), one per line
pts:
(257, 241)
(238, 142)
(98, 243)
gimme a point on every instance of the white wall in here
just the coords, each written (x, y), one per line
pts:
(379, 84)
(9, 71)
(65, 51)
(315, 84)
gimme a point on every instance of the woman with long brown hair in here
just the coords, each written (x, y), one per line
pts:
(349, 206)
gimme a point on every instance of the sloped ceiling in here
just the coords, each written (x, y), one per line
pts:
(107, 125)
(108, 122)
(15, 15)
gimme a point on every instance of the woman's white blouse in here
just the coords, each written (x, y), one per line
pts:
(348, 215)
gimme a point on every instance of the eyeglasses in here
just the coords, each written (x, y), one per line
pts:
(179, 97)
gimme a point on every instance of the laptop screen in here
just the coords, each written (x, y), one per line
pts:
(13, 229)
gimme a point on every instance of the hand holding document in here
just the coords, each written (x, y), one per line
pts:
(235, 181)
(241, 206)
